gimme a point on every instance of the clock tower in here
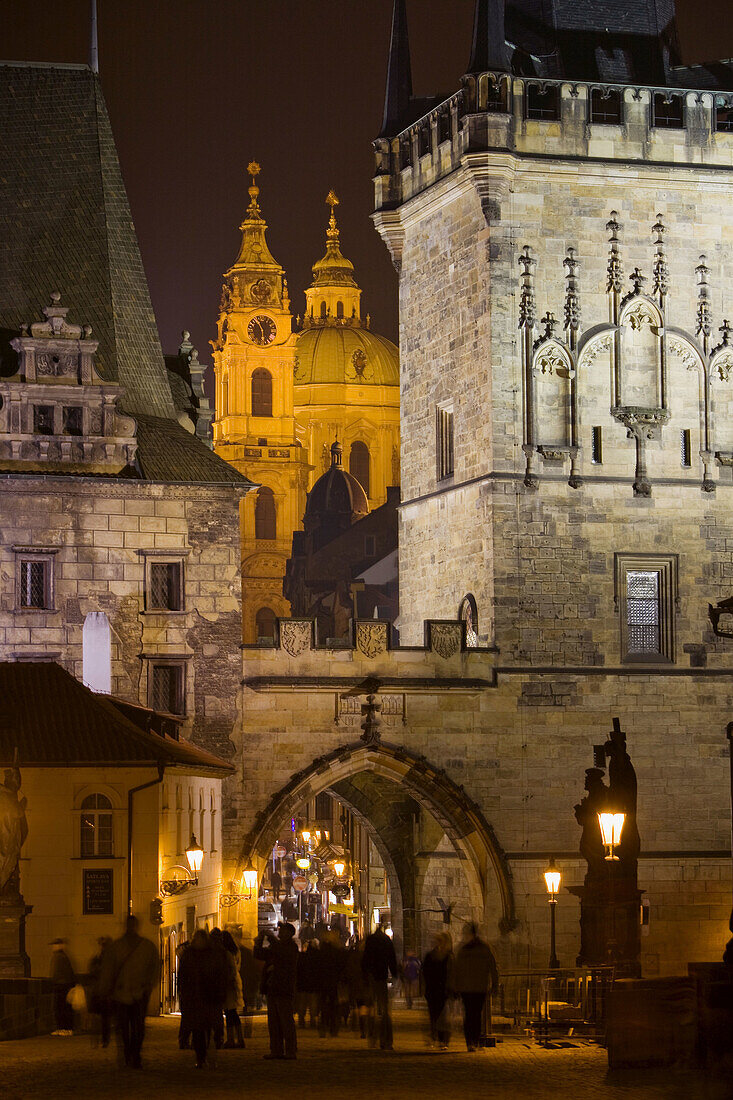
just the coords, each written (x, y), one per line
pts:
(254, 429)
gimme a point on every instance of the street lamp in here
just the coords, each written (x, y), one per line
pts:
(303, 862)
(552, 880)
(306, 835)
(339, 867)
(611, 829)
(249, 879)
(195, 857)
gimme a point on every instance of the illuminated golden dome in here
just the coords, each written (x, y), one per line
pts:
(350, 354)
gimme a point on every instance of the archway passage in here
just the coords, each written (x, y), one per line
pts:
(437, 849)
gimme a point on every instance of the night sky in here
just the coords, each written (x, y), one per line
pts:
(197, 88)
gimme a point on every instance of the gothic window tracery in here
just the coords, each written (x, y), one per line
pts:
(468, 614)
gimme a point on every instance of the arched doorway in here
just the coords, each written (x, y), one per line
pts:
(440, 854)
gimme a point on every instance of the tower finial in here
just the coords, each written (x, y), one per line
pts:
(332, 232)
(488, 49)
(93, 43)
(253, 210)
(399, 74)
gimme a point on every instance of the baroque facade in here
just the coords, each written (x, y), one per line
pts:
(565, 521)
(286, 387)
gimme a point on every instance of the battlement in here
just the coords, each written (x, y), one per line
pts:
(531, 116)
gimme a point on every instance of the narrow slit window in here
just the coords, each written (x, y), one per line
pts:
(685, 448)
(596, 446)
(444, 431)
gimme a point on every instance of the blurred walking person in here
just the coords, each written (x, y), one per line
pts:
(410, 978)
(281, 960)
(330, 965)
(63, 978)
(378, 963)
(307, 983)
(358, 986)
(475, 977)
(99, 1005)
(201, 991)
(233, 997)
(130, 968)
(217, 946)
(437, 973)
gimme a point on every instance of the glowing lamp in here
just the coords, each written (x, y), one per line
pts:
(249, 879)
(611, 828)
(552, 879)
(195, 857)
(339, 867)
(306, 835)
(303, 862)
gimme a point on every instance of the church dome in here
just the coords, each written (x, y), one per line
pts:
(337, 495)
(348, 353)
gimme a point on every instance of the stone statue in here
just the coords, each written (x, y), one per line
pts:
(586, 814)
(13, 831)
(622, 795)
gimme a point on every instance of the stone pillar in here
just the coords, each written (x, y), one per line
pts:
(14, 961)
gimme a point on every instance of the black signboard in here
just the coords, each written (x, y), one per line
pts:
(98, 890)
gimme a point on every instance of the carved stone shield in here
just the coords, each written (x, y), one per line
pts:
(371, 638)
(445, 638)
(295, 635)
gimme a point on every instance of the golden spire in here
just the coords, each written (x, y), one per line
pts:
(253, 210)
(332, 233)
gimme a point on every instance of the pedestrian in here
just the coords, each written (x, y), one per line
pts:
(250, 970)
(233, 1000)
(358, 986)
(410, 978)
(330, 965)
(276, 882)
(437, 973)
(99, 1005)
(475, 977)
(222, 964)
(281, 959)
(306, 997)
(201, 990)
(130, 969)
(306, 933)
(378, 963)
(63, 978)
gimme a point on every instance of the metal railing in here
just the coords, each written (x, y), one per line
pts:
(541, 1000)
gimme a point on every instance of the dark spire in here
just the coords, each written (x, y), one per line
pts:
(399, 75)
(488, 52)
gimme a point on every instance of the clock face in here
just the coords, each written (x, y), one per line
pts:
(261, 330)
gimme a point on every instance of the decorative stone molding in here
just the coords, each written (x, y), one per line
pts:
(296, 635)
(445, 637)
(372, 637)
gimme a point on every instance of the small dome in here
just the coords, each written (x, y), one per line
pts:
(337, 495)
(345, 353)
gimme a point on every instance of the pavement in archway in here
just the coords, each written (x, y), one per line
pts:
(517, 1069)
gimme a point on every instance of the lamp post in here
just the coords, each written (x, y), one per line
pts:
(552, 881)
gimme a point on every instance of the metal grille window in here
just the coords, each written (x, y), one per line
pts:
(444, 433)
(165, 688)
(642, 611)
(165, 590)
(34, 583)
(646, 596)
(685, 448)
(43, 419)
(543, 103)
(96, 826)
(72, 420)
(596, 446)
(261, 392)
(606, 108)
(668, 112)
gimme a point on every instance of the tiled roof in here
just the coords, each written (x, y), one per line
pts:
(65, 225)
(53, 720)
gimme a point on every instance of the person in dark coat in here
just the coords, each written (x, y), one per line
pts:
(201, 990)
(130, 971)
(437, 981)
(378, 963)
(358, 985)
(307, 983)
(281, 960)
(62, 977)
(330, 968)
(217, 945)
(98, 1004)
(234, 1002)
(475, 977)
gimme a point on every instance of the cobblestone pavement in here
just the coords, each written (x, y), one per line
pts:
(515, 1069)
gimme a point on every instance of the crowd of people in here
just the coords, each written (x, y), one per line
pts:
(316, 979)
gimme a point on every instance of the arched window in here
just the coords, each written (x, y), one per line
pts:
(265, 519)
(213, 822)
(179, 822)
(202, 821)
(261, 392)
(468, 614)
(359, 464)
(265, 621)
(96, 826)
(96, 647)
(323, 311)
(225, 397)
(339, 309)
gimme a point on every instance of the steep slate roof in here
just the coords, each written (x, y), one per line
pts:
(55, 721)
(65, 225)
